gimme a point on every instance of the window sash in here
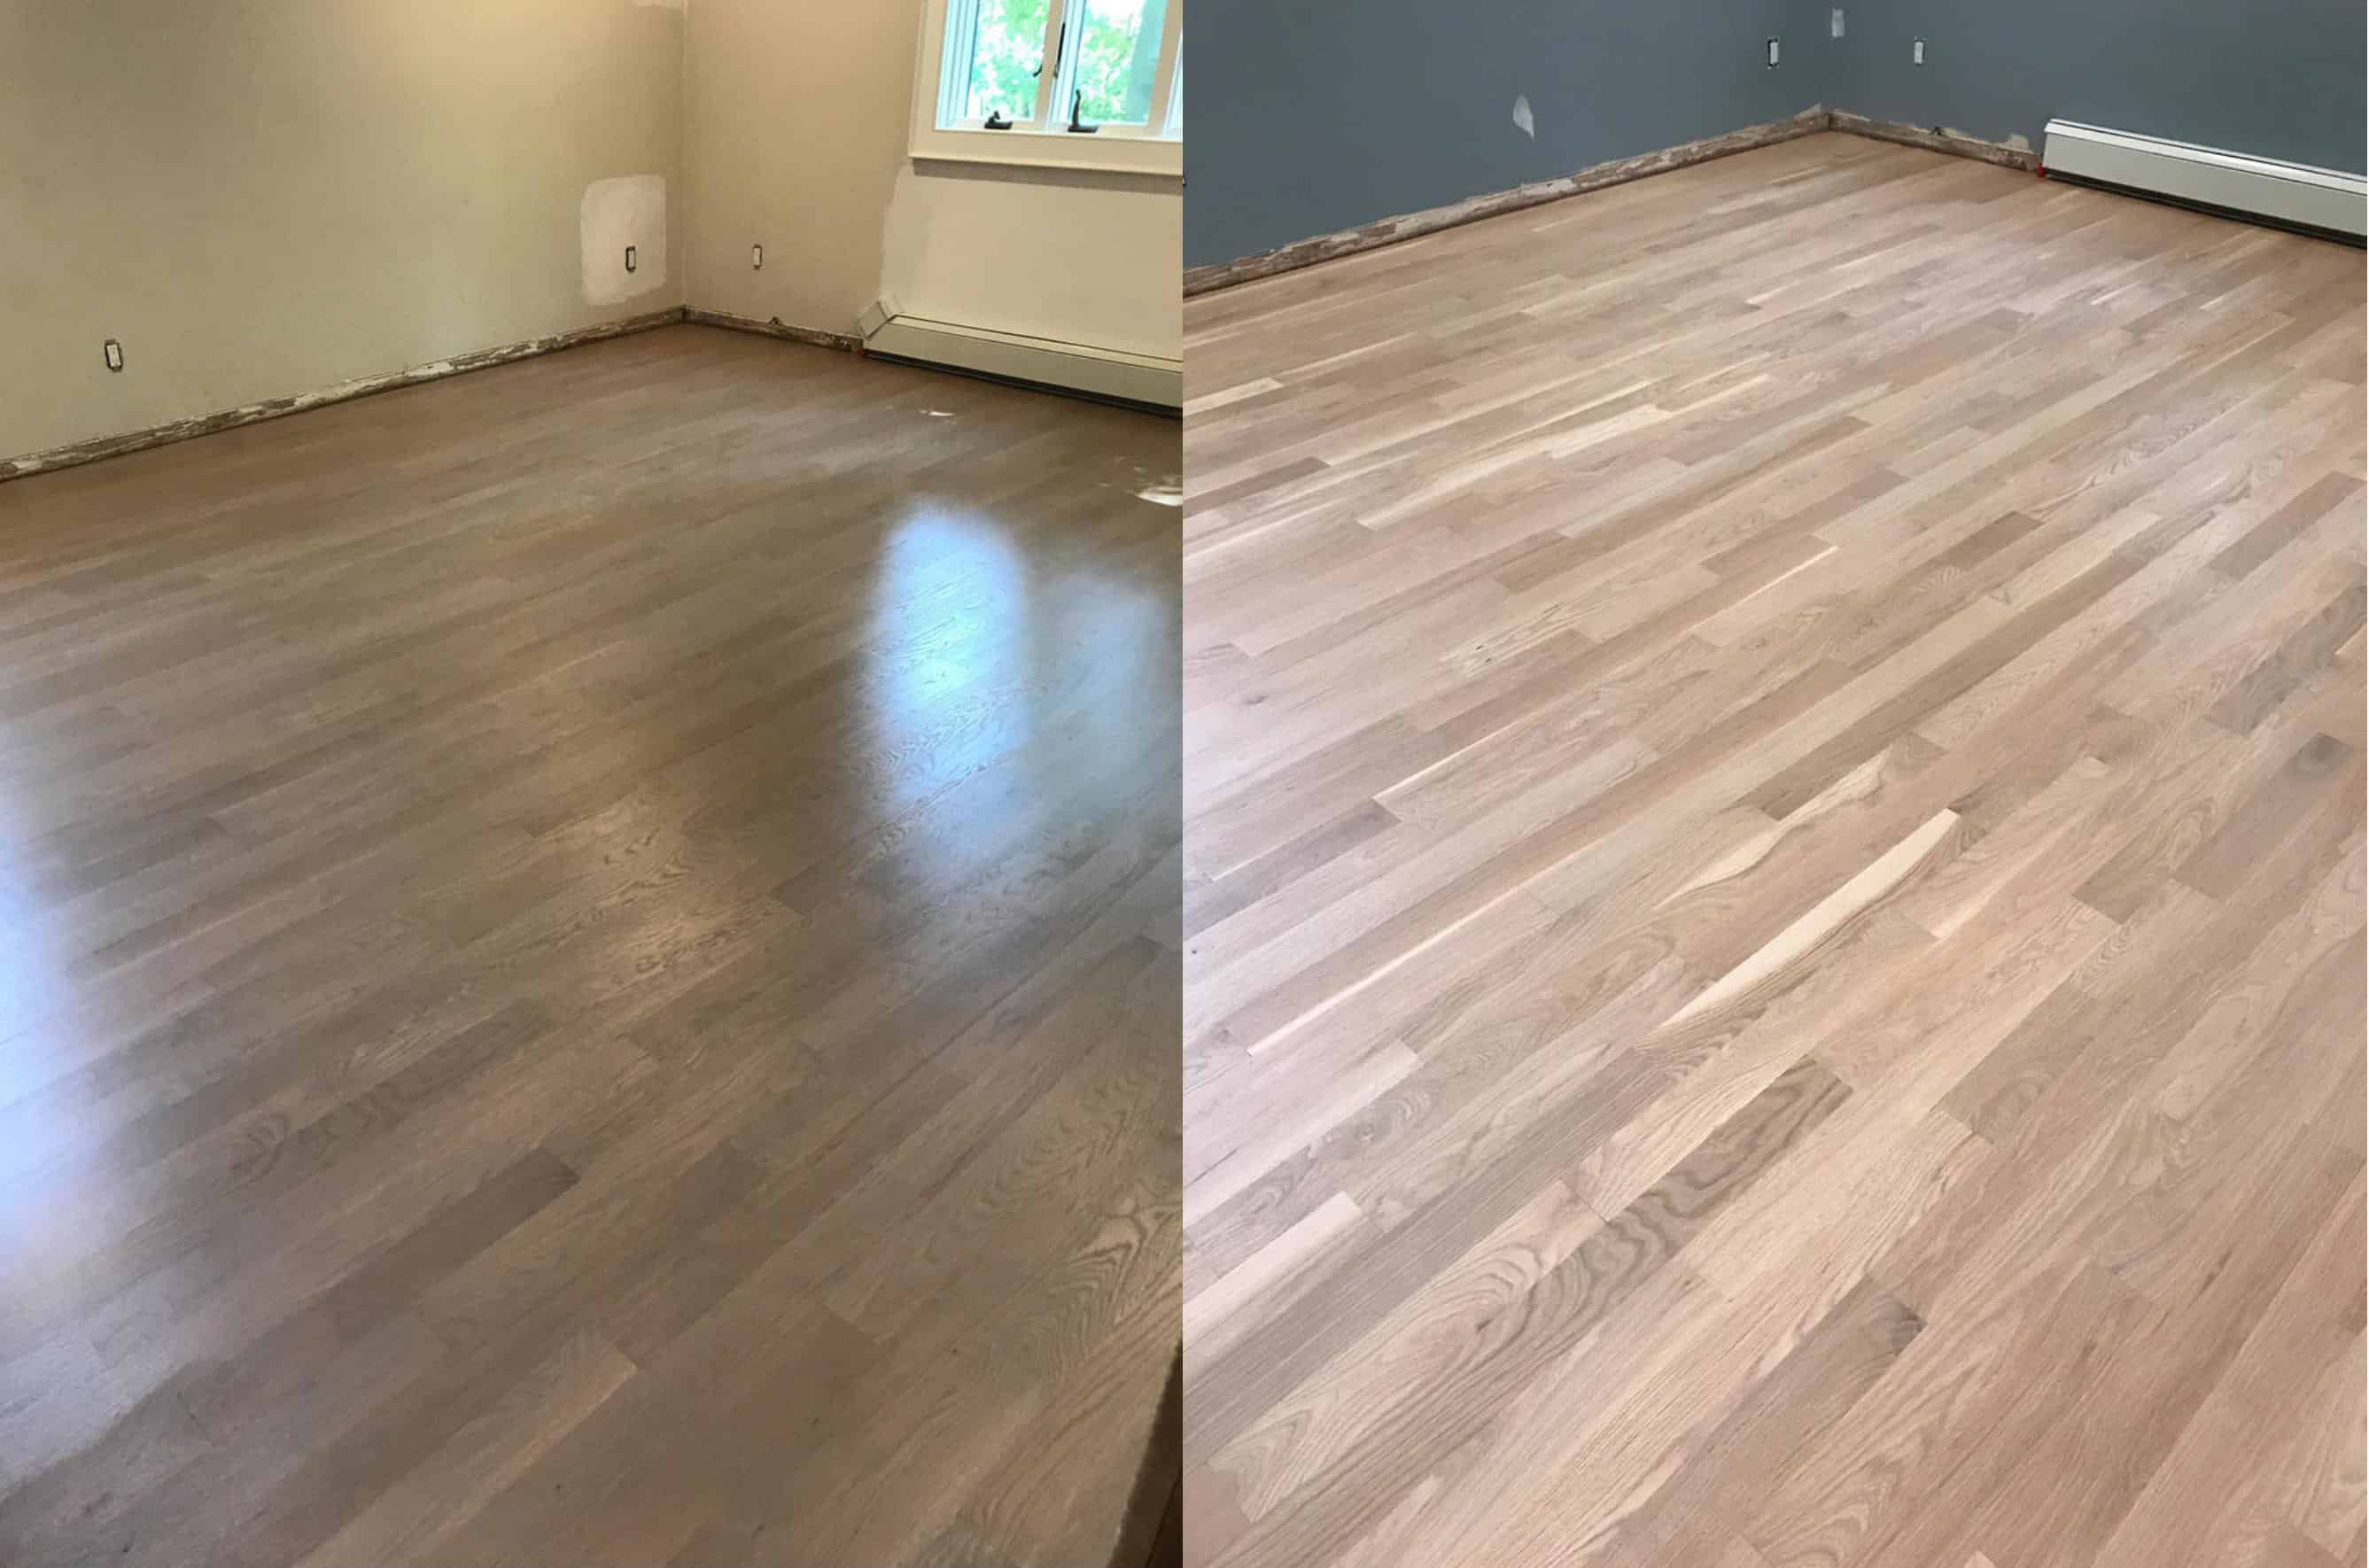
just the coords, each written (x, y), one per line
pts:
(1056, 81)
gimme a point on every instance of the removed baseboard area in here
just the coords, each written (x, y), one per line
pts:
(1113, 375)
(777, 328)
(2295, 196)
(1132, 379)
(1411, 225)
(1390, 230)
(344, 391)
(1939, 139)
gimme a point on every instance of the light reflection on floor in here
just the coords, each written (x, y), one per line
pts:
(980, 634)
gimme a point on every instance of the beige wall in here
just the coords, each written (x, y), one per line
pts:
(263, 198)
(798, 115)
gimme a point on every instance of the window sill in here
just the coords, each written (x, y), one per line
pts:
(1142, 157)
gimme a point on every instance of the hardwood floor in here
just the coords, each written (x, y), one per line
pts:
(1774, 885)
(592, 975)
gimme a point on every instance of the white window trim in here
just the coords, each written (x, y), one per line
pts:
(1112, 148)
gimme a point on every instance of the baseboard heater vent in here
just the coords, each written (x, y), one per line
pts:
(2294, 196)
(1111, 375)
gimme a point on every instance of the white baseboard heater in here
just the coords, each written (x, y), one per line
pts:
(1111, 374)
(2297, 196)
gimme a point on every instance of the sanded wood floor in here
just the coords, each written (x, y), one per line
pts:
(592, 975)
(1774, 885)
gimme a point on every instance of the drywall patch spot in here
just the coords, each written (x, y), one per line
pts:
(2019, 142)
(1522, 122)
(630, 210)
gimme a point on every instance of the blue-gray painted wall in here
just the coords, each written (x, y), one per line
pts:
(1308, 119)
(2279, 78)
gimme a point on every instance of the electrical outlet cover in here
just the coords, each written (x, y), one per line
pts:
(615, 213)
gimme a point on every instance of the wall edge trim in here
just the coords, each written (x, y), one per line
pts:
(1935, 141)
(76, 453)
(1471, 210)
(847, 342)
(1384, 231)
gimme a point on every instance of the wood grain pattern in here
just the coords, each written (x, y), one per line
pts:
(1775, 886)
(593, 969)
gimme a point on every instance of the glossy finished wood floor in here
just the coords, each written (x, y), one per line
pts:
(1774, 885)
(592, 975)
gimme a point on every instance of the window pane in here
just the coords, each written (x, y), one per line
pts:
(1006, 48)
(1118, 58)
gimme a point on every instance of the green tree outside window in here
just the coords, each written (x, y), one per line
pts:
(1118, 58)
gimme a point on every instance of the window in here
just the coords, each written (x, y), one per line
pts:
(1089, 84)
